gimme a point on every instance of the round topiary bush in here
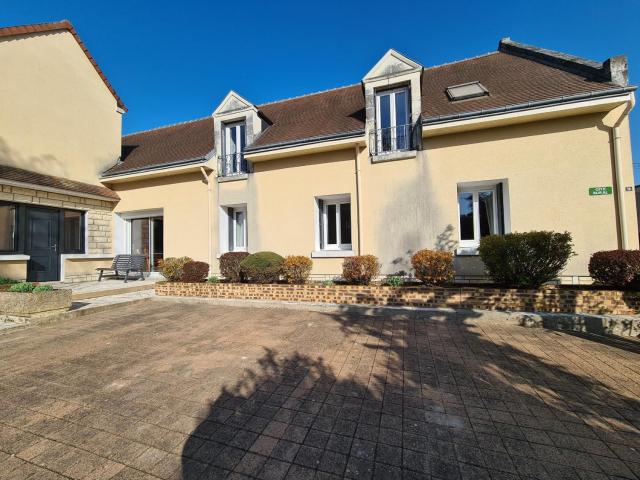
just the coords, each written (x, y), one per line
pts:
(433, 267)
(262, 267)
(195, 272)
(296, 268)
(230, 266)
(526, 259)
(617, 268)
(361, 269)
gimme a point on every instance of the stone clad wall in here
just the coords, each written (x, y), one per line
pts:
(546, 299)
(98, 219)
(98, 223)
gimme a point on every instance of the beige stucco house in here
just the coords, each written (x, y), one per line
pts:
(409, 157)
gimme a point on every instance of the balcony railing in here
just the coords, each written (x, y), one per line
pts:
(233, 164)
(392, 139)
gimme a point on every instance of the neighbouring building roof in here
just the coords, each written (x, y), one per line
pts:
(514, 75)
(61, 25)
(27, 177)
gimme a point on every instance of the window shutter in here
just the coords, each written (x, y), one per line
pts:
(230, 219)
(500, 202)
(320, 224)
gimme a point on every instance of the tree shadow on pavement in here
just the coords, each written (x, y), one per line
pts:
(442, 395)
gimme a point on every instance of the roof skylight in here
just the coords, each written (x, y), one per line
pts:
(466, 90)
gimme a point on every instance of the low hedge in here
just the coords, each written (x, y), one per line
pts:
(433, 267)
(526, 259)
(360, 269)
(195, 272)
(230, 265)
(296, 268)
(262, 267)
(617, 268)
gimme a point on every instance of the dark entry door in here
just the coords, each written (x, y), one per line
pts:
(41, 244)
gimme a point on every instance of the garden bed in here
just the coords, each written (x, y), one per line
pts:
(553, 299)
(21, 307)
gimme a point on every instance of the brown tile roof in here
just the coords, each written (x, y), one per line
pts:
(510, 80)
(14, 174)
(61, 25)
(165, 146)
(334, 111)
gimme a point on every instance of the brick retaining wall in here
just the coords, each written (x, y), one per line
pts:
(546, 299)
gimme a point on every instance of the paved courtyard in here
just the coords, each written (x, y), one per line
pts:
(196, 391)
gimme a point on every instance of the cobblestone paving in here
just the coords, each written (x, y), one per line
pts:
(178, 391)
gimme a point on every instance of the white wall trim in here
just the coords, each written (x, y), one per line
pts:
(12, 258)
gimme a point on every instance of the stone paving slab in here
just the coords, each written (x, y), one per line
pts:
(173, 390)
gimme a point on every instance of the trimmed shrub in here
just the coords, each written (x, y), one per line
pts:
(22, 287)
(171, 267)
(360, 269)
(433, 267)
(7, 281)
(296, 268)
(42, 288)
(262, 267)
(618, 268)
(230, 266)
(213, 279)
(194, 272)
(526, 259)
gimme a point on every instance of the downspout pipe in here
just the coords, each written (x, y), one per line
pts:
(206, 180)
(358, 204)
(617, 165)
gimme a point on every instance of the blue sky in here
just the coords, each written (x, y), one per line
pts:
(172, 61)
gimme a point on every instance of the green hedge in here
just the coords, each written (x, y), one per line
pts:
(526, 259)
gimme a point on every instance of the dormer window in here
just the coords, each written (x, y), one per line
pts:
(233, 145)
(393, 128)
(466, 91)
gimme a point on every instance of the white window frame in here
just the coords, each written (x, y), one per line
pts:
(237, 160)
(234, 221)
(337, 201)
(475, 192)
(392, 117)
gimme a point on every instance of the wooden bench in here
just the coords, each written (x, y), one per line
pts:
(123, 265)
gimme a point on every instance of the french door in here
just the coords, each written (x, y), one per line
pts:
(392, 120)
(147, 239)
(234, 144)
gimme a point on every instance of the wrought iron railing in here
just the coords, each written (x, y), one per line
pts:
(233, 164)
(392, 139)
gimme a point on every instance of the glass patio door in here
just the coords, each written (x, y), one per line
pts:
(147, 239)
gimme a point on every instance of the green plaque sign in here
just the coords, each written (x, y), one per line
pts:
(600, 190)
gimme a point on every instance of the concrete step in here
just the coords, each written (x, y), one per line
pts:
(129, 288)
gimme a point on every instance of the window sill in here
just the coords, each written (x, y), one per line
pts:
(74, 256)
(233, 178)
(332, 253)
(393, 156)
(11, 258)
(467, 251)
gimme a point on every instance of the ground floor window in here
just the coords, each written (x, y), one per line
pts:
(147, 239)
(234, 235)
(8, 225)
(480, 212)
(334, 221)
(72, 231)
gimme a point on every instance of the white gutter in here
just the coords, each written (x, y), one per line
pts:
(358, 195)
(617, 166)
(209, 255)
